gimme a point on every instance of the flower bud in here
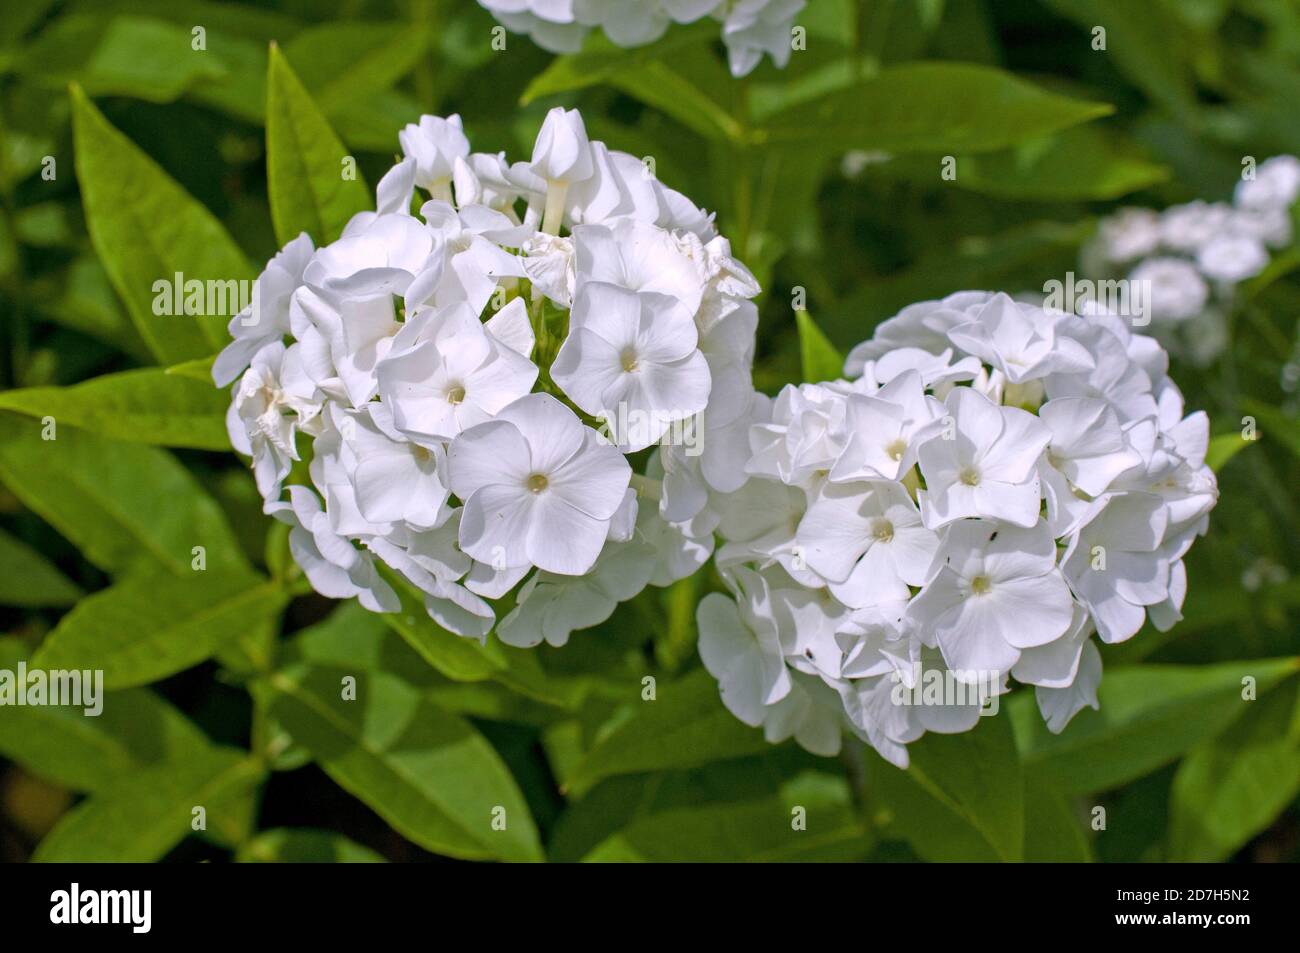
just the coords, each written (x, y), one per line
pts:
(434, 144)
(562, 152)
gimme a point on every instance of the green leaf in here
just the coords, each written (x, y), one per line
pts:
(1150, 715)
(143, 406)
(962, 798)
(1053, 831)
(124, 505)
(468, 660)
(684, 727)
(304, 163)
(1230, 788)
(28, 579)
(143, 815)
(1078, 164)
(660, 85)
(819, 359)
(677, 75)
(1149, 46)
(426, 772)
(459, 658)
(152, 625)
(603, 61)
(81, 297)
(146, 230)
(199, 369)
(62, 744)
(119, 55)
(1274, 425)
(749, 831)
(348, 61)
(931, 107)
(284, 845)
(1223, 448)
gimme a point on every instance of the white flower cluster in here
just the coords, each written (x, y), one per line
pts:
(992, 485)
(750, 28)
(471, 381)
(1191, 257)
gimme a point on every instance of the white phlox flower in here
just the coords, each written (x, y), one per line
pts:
(470, 367)
(992, 485)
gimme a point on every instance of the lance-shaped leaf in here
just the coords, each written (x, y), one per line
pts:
(313, 182)
(1054, 831)
(120, 55)
(1230, 788)
(143, 815)
(467, 660)
(685, 726)
(351, 61)
(148, 405)
(147, 231)
(811, 818)
(428, 773)
(931, 107)
(124, 505)
(962, 798)
(1150, 715)
(1223, 448)
(818, 357)
(285, 845)
(28, 579)
(154, 624)
(60, 743)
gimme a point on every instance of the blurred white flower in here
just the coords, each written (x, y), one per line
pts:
(1231, 258)
(1190, 258)
(750, 28)
(1178, 291)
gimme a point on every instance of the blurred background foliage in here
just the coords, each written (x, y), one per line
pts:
(826, 176)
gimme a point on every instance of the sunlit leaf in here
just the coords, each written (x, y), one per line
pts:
(1150, 715)
(143, 406)
(151, 625)
(310, 186)
(425, 771)
(147, 230)
(144, 814)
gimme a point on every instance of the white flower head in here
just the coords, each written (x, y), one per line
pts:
(996, 485)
